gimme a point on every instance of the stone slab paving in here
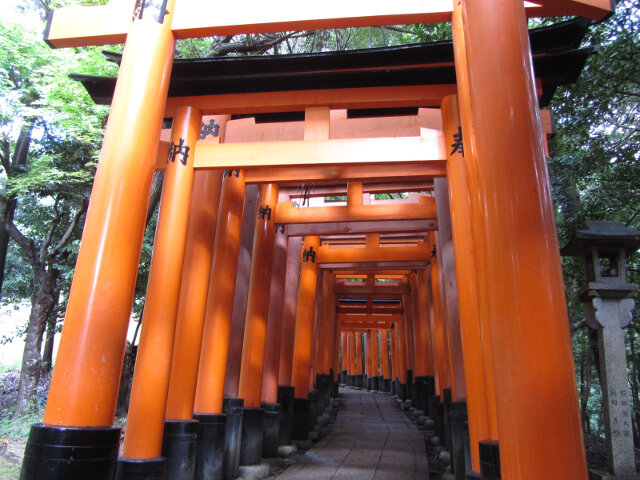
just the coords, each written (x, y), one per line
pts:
(369, 440)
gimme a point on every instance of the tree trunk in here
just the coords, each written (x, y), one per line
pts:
(7, 210)
(8, 205)
(47, 352)
(42, 304)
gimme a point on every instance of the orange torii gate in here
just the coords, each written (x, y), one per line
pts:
(497, 115)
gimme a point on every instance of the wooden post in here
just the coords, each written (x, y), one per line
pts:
(289, 311)
(505, 117)
(192, 304)
(258, 299)
(217, 324)
(475, 362)
(304, 317)
(145, 420)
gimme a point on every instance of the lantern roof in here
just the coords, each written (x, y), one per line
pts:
(602, 233)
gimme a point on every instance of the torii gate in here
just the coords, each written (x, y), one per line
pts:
(499, 192)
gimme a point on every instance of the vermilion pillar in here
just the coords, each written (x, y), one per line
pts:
(86, 377)
(304, 317)
(274, 321)
(475, 213)
(145, 420)
(375, 351)
(217, 323)
(437, 328)
(303, 337)
(423, 310)
(343, 351)
(289, 310)
(84, 387)
(470, 326)
(384, 354)
(258, 302)
(193, 294)
(351, 363)
(420, 340)
(528, 312)
(359, 356)
(255, 331)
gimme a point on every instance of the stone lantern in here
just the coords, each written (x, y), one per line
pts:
(608, 302)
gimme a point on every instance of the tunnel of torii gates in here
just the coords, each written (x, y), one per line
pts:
(257, 303)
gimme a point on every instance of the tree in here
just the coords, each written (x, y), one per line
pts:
(49, 135)
(594, 168)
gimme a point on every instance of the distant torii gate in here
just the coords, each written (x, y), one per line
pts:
(510, 289)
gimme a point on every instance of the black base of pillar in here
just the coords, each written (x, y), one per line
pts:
(334, 389)
(285, 399)
(460, 452)
(210, 446)
(179, 448)
(360, 381)
(315, 408)
(437, 415)
(393, 387)
(141, 469)
(57, 453)
(375, 383)
(350, 381)
(386, 386)
(401, 390)
(419, 389)
(428, 391)
(302, 423)
(270, 430)
(446, 401)
(233, 408)
(251, 440)
(490, 460)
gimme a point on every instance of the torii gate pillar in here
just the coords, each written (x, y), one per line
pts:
(528, 312)
(84, 387)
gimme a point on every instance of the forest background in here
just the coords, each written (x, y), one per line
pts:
(50, 138)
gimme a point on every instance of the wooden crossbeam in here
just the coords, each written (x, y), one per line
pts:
(378, 273)
(287, 214)
(335, 228)
(378, 290)
(298, 175)
(99, 25)
(370, 310)
(373, 266)
(321, 152)
(418, 253)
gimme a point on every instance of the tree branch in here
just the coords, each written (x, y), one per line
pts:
(52, 228)
(66, 238)
(28, 247)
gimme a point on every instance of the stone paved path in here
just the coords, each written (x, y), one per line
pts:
(369, 440)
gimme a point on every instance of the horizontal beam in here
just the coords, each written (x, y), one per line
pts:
(293, 101)
(370, 310)
(100, 25)
(287, 214)
(372, 266)
(371, 188)
(378, 273)
(321, 152)
(304, 175)
(337, 228)
(364, 290)
(347, 327)
(418, 253)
